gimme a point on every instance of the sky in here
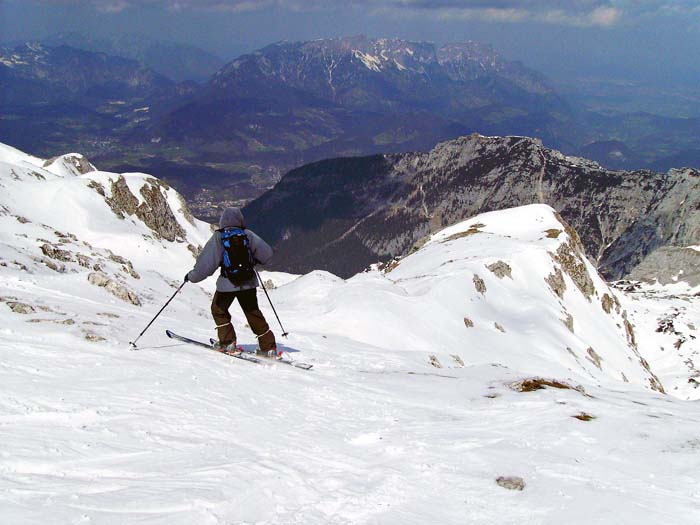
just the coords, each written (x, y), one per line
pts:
(653, 41)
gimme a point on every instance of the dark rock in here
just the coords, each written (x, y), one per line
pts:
(93, 337)
(154, 211)
(479, 284)
(56, 253)
(556, 282)
(500, 269)
(20, 308)
(122, 201)
(539, 383)
(569, 322)
(511, 482)
(118, 290)
(594, 358)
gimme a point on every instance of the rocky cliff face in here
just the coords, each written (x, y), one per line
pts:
(344, 214)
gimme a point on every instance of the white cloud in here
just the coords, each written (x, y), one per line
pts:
(115, 6)
(605, 16)
(583, 13)
(495, 15)
(600, 17)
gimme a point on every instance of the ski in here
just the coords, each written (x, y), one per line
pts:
(173, 335)
(238, 355)
(245, 355)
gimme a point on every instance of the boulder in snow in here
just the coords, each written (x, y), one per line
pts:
(118, 290)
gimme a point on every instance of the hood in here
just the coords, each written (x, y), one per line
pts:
(232, 218)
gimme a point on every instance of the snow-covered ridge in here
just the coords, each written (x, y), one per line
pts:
(64, 218)
(511, 287)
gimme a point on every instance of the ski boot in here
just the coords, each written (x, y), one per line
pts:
(272, 353)
(224, 348)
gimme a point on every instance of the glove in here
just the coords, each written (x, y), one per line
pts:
(187, 277)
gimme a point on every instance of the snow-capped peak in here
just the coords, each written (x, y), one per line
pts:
(69, 165)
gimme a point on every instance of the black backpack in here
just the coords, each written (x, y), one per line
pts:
(237, 264)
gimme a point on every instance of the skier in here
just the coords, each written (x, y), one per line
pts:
(235, 249)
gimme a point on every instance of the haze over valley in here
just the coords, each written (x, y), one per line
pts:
(226, 133)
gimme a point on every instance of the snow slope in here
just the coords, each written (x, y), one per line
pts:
(424, 303)
(670, 317)
(409, 415)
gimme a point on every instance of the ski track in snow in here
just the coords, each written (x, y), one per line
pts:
(92, 432)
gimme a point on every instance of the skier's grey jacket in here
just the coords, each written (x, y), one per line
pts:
(211, 257)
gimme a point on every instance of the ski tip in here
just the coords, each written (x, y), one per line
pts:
(168, 333)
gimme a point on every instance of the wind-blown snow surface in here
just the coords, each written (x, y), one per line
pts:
(375, 433)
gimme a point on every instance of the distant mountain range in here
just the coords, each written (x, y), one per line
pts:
(229, 139)
(267, 112)
(178, 62)
(342, 215)
(351, 95)
(61, 96)
(36, 74)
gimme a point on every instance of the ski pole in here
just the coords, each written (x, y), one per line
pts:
(133, 343)
(284, 332)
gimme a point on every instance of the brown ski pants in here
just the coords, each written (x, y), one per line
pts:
(248, 300)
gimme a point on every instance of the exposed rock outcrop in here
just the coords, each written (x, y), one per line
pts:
(154, 211)
(500, 269)
(122, 201)
(56, 253)
(115, 288)
(93, 337)
(572, 263)
(670, 264)
(20, 307)
(479, 284)
(556, 282)
(69, 164)
(127, 265)
(511, 482)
